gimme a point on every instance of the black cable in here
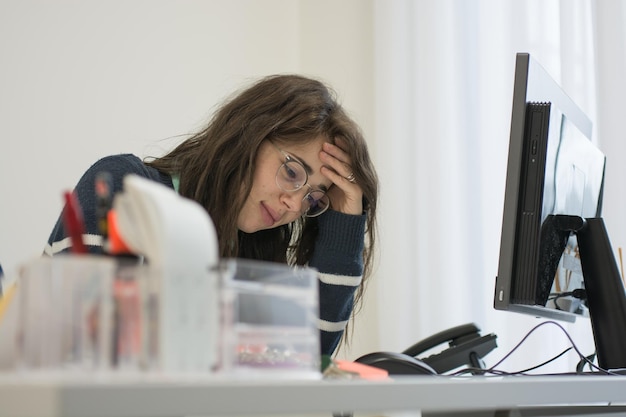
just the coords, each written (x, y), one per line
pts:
(546, 362)
(580, 368)
(584, 360)
(579, 293)
(476, 370)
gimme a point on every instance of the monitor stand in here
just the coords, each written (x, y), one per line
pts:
(606, 298)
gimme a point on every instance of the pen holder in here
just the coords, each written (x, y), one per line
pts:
(86, 313)
(64, 316)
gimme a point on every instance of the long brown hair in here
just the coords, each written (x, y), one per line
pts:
(216, 165)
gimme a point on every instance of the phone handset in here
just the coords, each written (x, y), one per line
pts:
(466, 347)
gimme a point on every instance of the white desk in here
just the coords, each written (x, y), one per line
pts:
(471, 396)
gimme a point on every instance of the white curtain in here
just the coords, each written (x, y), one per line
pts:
(444, 82)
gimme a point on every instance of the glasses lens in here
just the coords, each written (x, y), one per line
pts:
(291, 176)
(315, 203)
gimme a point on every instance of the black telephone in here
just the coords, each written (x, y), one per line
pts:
(466, 348)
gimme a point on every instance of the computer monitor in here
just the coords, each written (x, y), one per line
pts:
(556, 260)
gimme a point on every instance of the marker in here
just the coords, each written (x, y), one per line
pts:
(73, 222)
(5, 300)
(104, 201)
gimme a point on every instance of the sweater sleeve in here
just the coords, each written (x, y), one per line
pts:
(116, 165)
(338, 256)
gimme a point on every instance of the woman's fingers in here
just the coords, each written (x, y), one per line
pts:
(347, 195)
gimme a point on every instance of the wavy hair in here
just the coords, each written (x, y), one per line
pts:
(216, 165)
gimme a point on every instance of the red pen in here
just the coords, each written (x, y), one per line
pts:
(73, 222)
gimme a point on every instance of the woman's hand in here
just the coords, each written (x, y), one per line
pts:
(346, 195)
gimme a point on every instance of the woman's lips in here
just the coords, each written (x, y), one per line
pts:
(268, 217)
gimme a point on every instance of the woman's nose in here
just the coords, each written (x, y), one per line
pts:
(293, 200)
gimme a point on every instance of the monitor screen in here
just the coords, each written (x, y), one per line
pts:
(556, 260)
(553, 169)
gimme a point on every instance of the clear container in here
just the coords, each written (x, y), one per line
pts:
(269, 319)
(65, 313)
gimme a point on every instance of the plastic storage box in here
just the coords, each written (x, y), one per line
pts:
(269, 319)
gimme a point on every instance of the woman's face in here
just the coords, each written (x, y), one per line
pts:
(268, 206)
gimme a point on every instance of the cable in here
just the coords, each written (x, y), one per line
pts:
(477, 370)
(580, 368)
(584, 360)
(579, 293)
(546, 362)
(518, 345)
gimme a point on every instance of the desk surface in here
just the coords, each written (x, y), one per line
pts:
(46, 396)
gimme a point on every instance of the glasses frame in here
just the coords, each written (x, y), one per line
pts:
(291, 159)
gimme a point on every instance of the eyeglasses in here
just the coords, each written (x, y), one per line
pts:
(292, 176)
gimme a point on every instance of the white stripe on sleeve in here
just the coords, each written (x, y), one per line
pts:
(345, 280)
(56, 247)
(330, 326)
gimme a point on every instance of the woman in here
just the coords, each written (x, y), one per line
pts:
(285, 175)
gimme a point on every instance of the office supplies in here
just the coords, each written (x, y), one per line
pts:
(178, 239)
(73, 222)
(115, 244)
(343, 369)
(104, 200)
(169, 230)
(5, 299)
(270, 313)
(65, 313)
